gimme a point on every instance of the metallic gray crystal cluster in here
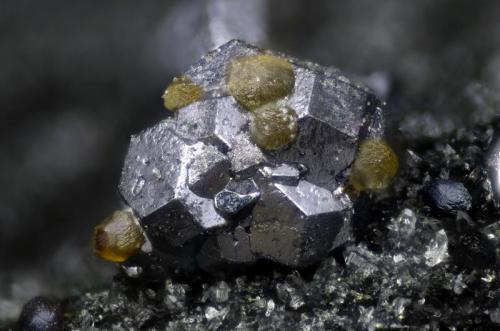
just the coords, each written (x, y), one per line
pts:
(411, 268)
(198, 182)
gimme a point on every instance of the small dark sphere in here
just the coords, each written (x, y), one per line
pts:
(40, 314)
(447, 196)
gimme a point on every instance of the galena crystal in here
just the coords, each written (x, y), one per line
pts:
(253, 165)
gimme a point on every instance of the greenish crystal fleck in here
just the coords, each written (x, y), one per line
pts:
(180, 93)
(255, 80)
(374, 167)
(273, 126)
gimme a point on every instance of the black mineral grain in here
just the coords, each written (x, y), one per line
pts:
(447, 196)
(40, 314)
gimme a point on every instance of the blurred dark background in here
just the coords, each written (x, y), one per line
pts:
(78, 77)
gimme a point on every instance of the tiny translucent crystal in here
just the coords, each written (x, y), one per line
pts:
(255, 80)
(180, 93)
(273, 126)
(118, 237)
(374, 166)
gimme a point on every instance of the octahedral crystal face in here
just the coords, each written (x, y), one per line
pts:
(181, 92)
(252, 167)
(255, 80)
(374, 167)
(118, 237)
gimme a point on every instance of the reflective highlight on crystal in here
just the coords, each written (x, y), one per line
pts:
(254, 167)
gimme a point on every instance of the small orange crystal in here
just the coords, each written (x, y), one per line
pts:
(118, 237)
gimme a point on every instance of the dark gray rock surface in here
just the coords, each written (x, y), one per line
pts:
(408, 269)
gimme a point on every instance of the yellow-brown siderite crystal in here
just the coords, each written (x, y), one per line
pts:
(118, 237)
(255, 80)
(180, 93)
(374, 167)
(273, 126)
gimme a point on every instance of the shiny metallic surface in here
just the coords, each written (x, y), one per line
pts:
(231, 203)
(227, 252)
(235, 246)
(214, 121)
(197, 179)
(493, 162)
(296, 225)
(334, 115)
(210, 71)
(208, 172)
(245, 156)
(158, 170)
(152, 169)
(283, 173)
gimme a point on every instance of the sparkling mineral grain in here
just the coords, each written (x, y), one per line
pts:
(254, 167)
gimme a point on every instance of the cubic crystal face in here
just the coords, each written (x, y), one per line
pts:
(251, 171)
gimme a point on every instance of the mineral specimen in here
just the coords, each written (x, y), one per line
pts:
(447, 196)
(411, 270)
(273, 126)
(374, 167)
(284, 173)
(494, 167)
(118, 237)
(304, 227)
(232, 202)
(181, 92)
(472, 249)
(255, 80)
(253, 165)
(40, 314)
